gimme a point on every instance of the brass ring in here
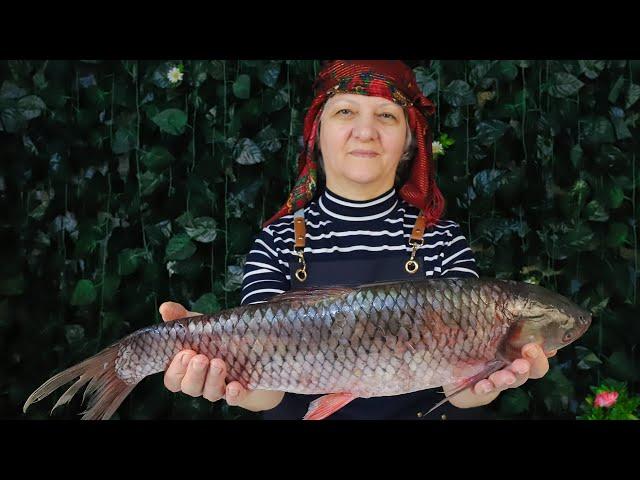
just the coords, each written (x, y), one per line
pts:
(411, 266)
(301, 275)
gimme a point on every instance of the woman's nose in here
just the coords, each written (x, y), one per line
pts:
(365, 129)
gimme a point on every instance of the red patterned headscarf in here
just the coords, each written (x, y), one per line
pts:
(390, 79)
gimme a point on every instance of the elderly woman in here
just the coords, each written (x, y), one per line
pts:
(367, 131)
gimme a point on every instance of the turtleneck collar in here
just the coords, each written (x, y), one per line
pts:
(342, 208)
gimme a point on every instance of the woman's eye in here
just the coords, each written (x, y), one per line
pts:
(344, 111)
(388, 116)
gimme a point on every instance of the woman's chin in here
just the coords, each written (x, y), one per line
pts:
(363, 173)
(364, 179)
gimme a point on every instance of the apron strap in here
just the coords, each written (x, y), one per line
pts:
(300, 233)
(416, 241)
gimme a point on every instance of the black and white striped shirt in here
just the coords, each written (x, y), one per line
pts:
(339, 228)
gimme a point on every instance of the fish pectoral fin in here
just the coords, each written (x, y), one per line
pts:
(327, 404)
(491, 367)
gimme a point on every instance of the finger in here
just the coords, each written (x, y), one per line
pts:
(177, 369)
(172, 311)
(483, 387)
(193, 380)
(502, 379)
(538, 360)
(235, 393)
(214, 386)
(520, 368)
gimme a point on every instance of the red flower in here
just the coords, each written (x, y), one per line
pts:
(606, 399)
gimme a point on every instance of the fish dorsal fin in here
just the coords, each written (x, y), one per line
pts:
(311, 294)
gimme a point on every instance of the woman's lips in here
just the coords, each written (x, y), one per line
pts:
(364, 153)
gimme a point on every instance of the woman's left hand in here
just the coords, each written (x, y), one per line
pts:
(533, 364)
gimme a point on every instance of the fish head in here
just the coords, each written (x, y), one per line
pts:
(547, 319)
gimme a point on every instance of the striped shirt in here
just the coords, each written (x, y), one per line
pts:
(338, 228)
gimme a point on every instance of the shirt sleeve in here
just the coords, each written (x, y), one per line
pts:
(264, 275)
(457, 257)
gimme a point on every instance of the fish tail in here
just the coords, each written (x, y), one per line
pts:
(106, 391)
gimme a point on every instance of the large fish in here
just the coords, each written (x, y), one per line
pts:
(345, 342)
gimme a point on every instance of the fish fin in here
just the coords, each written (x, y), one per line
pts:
(109, 389)
(491, 367)
(327, 404)
(311, 294)
(73, 389)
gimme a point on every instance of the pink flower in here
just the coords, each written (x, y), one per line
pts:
(606, 399)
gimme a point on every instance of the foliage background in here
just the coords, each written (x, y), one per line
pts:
(120, 190)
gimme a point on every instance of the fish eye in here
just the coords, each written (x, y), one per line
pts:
(568, 335)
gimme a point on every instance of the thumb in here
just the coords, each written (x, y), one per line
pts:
(172, 311)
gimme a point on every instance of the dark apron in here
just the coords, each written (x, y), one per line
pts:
(411, 406)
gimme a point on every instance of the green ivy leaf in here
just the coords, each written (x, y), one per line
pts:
(203, 229)
(206, 304)
(480, 70)
(180, 247)
(267, 139)
(597, 129)
(587, 359)
(249, 152)
(615, 196)
(632, 96)
(11, 91)
(11, 120)
(233, 279)
(242, 86)
(124, 141)
(616, 89)
(591, 68)
(157, 159)
(454, 118)
(149, 182)
(129, 260)
(564, 85)
(84, 293)
(490, 131)
(172, 121)
(458, 94)
(595, 212)
(110, 286)
(488, 181)
(507, 69)
(269, 73)
(31, 106)
(579, 238)
(617, 234)
(216, 69)
(426, 84)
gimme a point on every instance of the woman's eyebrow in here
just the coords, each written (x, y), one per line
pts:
(352, 102)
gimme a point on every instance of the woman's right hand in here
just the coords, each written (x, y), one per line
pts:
(196, 375)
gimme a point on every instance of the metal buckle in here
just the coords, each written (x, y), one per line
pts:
(412, 266)
(301, 273)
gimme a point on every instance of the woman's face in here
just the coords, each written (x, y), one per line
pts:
(362, 139)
